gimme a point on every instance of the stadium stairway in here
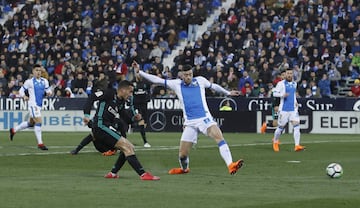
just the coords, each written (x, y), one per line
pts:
(168, 60)
(8, 12)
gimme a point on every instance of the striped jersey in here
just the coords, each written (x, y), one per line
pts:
(37, 88)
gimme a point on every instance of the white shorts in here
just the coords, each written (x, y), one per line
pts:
(192, 127)
(286, 116)
(35, 111)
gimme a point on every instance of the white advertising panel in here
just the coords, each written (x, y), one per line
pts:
(336, 122)
(51, 120)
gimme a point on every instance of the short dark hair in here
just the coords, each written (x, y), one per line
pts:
(124, 84)
(36, 65)
(187, 67)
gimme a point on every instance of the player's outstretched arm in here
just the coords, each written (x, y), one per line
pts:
(151, 78)
(221, 90)
(235, 93)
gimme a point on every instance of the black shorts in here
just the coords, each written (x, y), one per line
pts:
(101, 147)
(142, 108)
(105, 138)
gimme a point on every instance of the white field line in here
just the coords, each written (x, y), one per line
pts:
(154, 148)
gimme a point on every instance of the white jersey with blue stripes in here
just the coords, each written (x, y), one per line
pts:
(36, 89)
(288, 103)
(192, 96)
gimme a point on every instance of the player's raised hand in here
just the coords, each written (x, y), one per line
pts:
(234, 93)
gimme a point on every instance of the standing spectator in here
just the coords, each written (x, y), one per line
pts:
(194, 19)
(355, 62)
(334, 77)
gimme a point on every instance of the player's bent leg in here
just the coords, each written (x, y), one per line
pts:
(128, 148)
(125, 146)
(215, 132)
(83, 143)
(276, 141)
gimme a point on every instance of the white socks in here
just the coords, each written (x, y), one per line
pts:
(37, 130)
(225, 152)
(21, 126)
(277, 133)
(297, 134)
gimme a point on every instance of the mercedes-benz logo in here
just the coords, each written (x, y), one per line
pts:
(157, 121)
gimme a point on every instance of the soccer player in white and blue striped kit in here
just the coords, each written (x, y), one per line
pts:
(288, 110)
(191, 93)
(33, 91)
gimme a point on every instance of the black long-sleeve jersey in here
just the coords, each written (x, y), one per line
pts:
(109, 111)
(141, 92)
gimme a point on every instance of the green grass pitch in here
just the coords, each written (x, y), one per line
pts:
(34, 178)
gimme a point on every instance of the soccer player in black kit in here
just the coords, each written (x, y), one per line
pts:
(139, 100)
(105, 125)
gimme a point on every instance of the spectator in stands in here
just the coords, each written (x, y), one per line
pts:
(343, 65)
(302, 88)
(155, 52)
(226, 106)
(334, 77)
(81, 94)
(79, 83)
(355, 89)
(355, 62)
(50, 30)
(69, 93)
(245, 79)
(120, 68)
(324, 86)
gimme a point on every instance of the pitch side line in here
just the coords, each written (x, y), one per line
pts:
(158, 148)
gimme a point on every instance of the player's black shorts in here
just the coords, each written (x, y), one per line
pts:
(105, 138)
(101, 147)
(142, 108)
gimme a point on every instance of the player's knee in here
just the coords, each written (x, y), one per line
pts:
(125, 146)
(215, 132)
(281, 126)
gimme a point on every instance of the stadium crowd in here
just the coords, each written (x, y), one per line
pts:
(246, 47)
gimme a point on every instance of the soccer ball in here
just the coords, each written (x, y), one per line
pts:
(334, 170)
